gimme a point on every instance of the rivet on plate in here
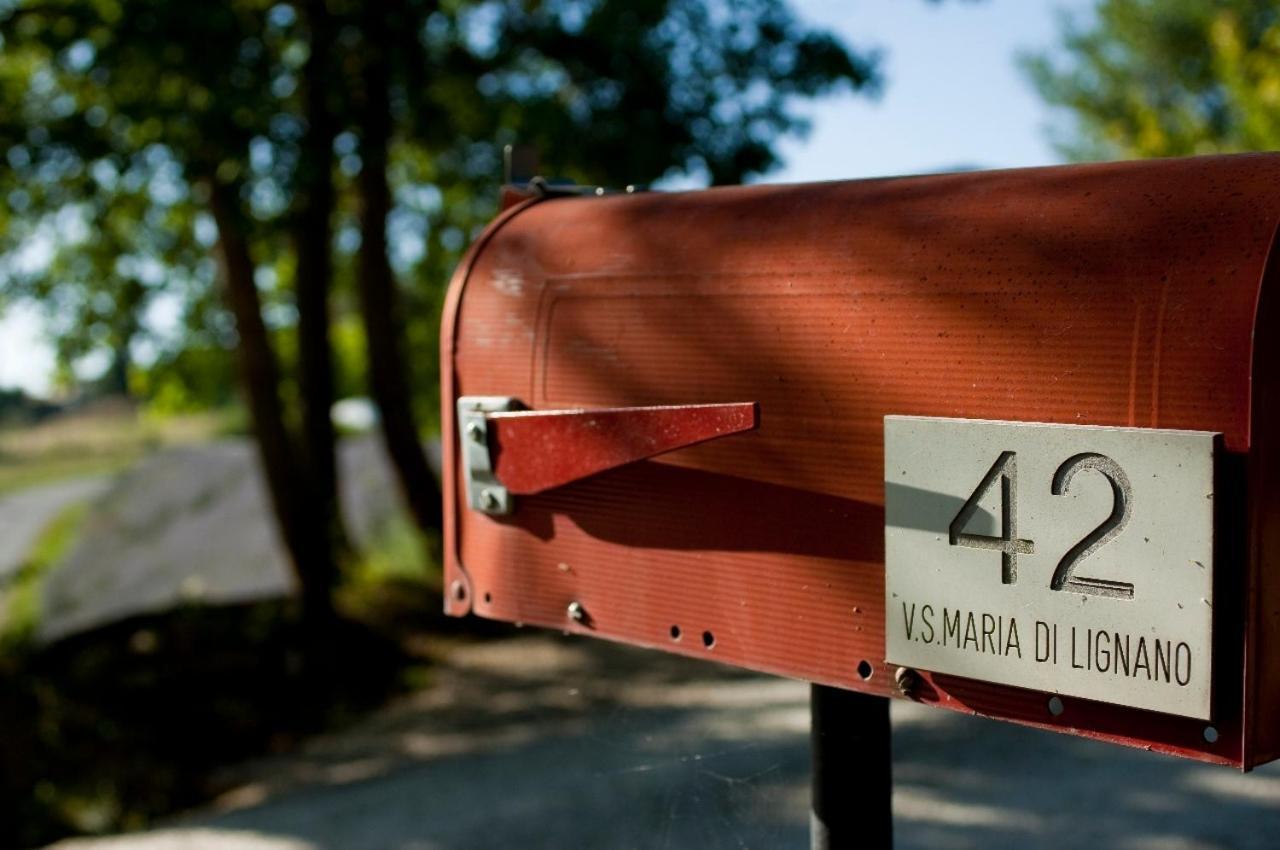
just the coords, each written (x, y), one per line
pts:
(475, 433)
(489, 500)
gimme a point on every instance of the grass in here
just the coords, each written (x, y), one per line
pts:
(21, 474)
(100, 440)
(397, 552)
(394, 578)
(113, 728)
(132, 721)
(21, 605)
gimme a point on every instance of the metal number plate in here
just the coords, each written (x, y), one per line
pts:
(1075, 560)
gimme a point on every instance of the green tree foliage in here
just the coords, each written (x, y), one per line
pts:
(627, 92)
(324, 149)
(131, 87)
(94, 241)
(1166, 78)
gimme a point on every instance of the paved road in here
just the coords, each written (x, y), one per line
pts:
(193, 524)
(543, 743)
(26, 513)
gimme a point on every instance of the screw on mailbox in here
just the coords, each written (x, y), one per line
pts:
(576, 612)
(906, 679)
(475, 432)
(489, 500)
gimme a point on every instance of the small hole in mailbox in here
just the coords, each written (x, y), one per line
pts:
(1211, 734)
(488, 597)
(675, 633)
(708, 640)
(865, 669)
(1055, 706)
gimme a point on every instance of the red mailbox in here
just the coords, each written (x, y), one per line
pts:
(704, 422)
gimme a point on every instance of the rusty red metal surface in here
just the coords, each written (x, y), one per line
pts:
(1135, 294)
(536, 450)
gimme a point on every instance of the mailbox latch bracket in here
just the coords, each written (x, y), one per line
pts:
(508, 451)
(485, 493)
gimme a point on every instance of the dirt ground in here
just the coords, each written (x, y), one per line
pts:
(537, 741)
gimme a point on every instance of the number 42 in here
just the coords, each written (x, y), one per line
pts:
(1010, 546)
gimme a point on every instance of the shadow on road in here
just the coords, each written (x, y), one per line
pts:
(542, 742)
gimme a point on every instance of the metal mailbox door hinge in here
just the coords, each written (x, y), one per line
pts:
(508, 451)
(485, 493)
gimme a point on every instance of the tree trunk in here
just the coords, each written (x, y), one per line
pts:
(116, 379)
(309, 553)
(130, 296)
(313, 209)
(389, 373)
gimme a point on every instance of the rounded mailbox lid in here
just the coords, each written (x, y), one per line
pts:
(1121, 293)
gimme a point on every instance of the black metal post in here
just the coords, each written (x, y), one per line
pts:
(852, 770)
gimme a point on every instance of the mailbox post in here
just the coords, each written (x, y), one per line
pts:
(1003, 443)
(852, 769)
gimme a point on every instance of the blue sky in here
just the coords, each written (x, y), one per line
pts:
(953, 98)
